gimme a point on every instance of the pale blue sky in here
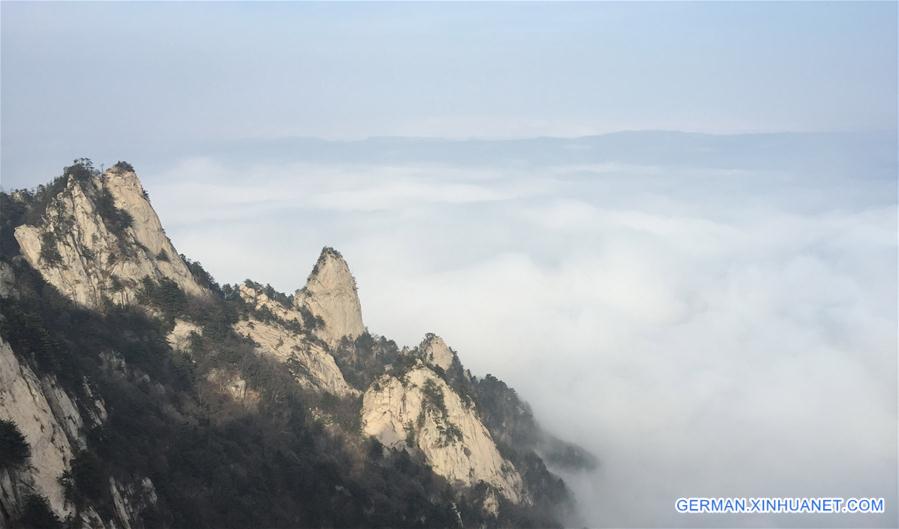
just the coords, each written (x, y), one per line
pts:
(117, 80)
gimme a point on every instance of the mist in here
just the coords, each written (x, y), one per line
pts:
(708, 315)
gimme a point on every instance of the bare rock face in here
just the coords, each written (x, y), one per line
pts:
(282, 336)
(179, 338)
(330, 295)
(129, 501)
(54, 429)
(99, 237)
(259, 300)
(48, 420)
(436, 352)
(317, 368)
(420, 410)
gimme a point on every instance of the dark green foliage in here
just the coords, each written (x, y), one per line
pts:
(518, 436)
(201, 276)
(63, 339)
(433, 398)
(24, 328)
(410, 434)
(280, 297)
(36, 514)
(230, 293)
(511, 421)
(49, 251)
(14, 450)
(123, 166)
(567, 455)
(117, 220)
(12, 214)
(451, 433)
(82, 170)
(265, 314)
(505, 415)
(310, 321)
(165, 295)
(162, 256)
(366, 358)
(87, 482)
(375, 449)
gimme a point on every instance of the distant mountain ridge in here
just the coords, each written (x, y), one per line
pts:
(140, 393)
(818, 151)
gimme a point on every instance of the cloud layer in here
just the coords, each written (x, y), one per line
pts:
(708, 326)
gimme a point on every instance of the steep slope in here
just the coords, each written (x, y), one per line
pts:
(419, 409)
(315, 368)
(55, 425)
(98, 237)
(188, 404)
(436, 352)
(53, 431)
(330, 295)
(276, 328)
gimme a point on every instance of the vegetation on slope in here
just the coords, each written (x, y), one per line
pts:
(296, 459)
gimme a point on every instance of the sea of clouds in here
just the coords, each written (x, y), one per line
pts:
(710, 316)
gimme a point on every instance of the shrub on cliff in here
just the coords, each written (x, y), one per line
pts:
(14, 450)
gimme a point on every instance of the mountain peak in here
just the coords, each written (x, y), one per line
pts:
(97, 237)
(330, 294)
(436, 352)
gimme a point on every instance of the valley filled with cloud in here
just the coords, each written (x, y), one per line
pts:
(707, 322)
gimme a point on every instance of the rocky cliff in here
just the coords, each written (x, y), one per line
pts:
(314, 368)
(55, 427)
(330, 294)
(150, 396)
(436, 353)
(420, 410)
(98, 237)
(53, 431)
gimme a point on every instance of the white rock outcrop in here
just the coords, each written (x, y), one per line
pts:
(331, 295)
(129, 501)
(436, 353)
(47, 418)
(76, 249)
(316, 367)
(54, 429)
(179, 337)
(457, 445)
(259, 300)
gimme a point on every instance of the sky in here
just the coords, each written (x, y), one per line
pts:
(710, 310)
(140, 82)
